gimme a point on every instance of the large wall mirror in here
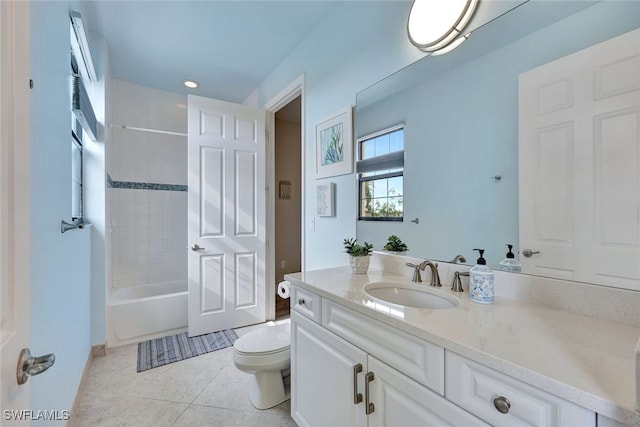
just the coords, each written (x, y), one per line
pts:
(471, 182)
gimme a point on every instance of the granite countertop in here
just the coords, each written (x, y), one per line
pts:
(581, 359)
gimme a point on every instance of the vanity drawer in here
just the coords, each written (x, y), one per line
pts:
(422, 361)
(306, 303)
(481, 390)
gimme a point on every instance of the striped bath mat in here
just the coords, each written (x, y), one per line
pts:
(173, 348)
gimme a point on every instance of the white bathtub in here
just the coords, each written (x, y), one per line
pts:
(143, 312)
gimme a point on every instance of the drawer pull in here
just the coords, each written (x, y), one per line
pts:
(357, 397)
(369, 407)
(301, 301)
(502, 404)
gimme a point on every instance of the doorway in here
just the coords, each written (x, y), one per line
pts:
(288, 195)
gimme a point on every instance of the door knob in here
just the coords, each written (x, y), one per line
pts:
(528, 253)
(29, 366)
(195, 247)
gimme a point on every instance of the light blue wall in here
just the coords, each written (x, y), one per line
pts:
(462, 128)
(358, 44)
(60, 263)
(337, 64)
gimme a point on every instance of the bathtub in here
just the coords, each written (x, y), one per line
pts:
(143, 312)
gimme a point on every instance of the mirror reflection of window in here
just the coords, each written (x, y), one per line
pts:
(380, 175)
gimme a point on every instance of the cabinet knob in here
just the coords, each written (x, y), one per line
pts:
(301, 301)
(502, 404)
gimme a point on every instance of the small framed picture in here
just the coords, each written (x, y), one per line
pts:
(284, 190)
(334, 145)
(325, 195)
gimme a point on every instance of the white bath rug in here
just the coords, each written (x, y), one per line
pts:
(173, 348)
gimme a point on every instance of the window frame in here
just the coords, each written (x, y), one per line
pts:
(390, 156)
(76, 141)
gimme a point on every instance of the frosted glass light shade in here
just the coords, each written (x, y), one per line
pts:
(454, 44)
(433, 24)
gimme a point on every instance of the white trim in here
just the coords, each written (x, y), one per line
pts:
(380, 132)
(289, 93)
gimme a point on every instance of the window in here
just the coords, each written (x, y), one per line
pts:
(380, 170)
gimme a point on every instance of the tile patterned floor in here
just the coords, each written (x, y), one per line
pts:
(206, 390)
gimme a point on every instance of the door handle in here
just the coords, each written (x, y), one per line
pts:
(29, 366)
(369, 407)
(528, 253)
(195, 247)
(357, 397)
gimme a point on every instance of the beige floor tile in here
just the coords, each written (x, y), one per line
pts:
(206, 390)
(205, 416)
(110, 410)
(229, 390)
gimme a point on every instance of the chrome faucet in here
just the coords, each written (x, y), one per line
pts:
(435, 277)
(457, 258)
(416, 270)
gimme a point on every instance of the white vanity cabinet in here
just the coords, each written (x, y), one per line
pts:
(505, 401)
(336, 383)
(323, 370)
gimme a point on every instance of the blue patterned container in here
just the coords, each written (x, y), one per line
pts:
(481, 280)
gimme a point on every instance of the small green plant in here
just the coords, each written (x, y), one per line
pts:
(394, 244)
(354, 249)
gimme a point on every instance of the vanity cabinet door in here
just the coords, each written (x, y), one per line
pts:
(322, 377)
(400, 401)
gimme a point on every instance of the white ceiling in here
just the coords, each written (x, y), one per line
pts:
(229, 47)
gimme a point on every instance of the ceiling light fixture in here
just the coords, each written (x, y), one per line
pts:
(454, 44)
(190, 84)
(434, 24)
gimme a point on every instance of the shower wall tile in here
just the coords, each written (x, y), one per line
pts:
(149, 242)
(148, 222)
(145, 107)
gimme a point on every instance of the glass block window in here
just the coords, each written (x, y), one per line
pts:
(380, 170)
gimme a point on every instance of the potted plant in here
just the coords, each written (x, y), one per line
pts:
(358, 255)
(394, 244)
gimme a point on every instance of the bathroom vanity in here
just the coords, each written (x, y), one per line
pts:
(358, 360)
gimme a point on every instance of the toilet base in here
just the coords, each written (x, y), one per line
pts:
(267, 389)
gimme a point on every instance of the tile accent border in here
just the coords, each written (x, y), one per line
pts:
(130, 185)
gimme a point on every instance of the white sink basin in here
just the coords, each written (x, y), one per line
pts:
(416, 296)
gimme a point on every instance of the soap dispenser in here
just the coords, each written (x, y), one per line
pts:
(481, 281)
(510, 263)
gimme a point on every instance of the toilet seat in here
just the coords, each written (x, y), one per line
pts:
(265, 341)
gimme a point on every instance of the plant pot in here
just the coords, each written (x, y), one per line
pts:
(359, 264)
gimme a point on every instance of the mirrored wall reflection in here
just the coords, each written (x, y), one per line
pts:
(461, 118)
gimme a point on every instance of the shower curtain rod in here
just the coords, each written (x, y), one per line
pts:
(166, 132)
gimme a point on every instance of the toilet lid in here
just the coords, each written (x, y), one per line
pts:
(269, 339)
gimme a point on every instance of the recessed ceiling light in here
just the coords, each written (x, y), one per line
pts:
(190, 84)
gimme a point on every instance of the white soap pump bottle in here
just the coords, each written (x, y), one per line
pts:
(481, 280)
(510, 263)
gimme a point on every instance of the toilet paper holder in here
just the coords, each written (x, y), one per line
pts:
(284, 289)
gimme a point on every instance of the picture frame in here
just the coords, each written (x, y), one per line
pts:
(284, 190)
(325, 205)
(334, 144)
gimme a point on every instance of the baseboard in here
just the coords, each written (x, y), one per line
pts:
(99, 350)
(95, 351)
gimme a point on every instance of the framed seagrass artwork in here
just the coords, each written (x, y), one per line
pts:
(334, 145)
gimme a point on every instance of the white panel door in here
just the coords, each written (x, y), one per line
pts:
(226, 144)
(14, 207)
(580, 165)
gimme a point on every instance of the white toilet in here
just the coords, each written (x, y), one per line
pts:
(265, 353)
